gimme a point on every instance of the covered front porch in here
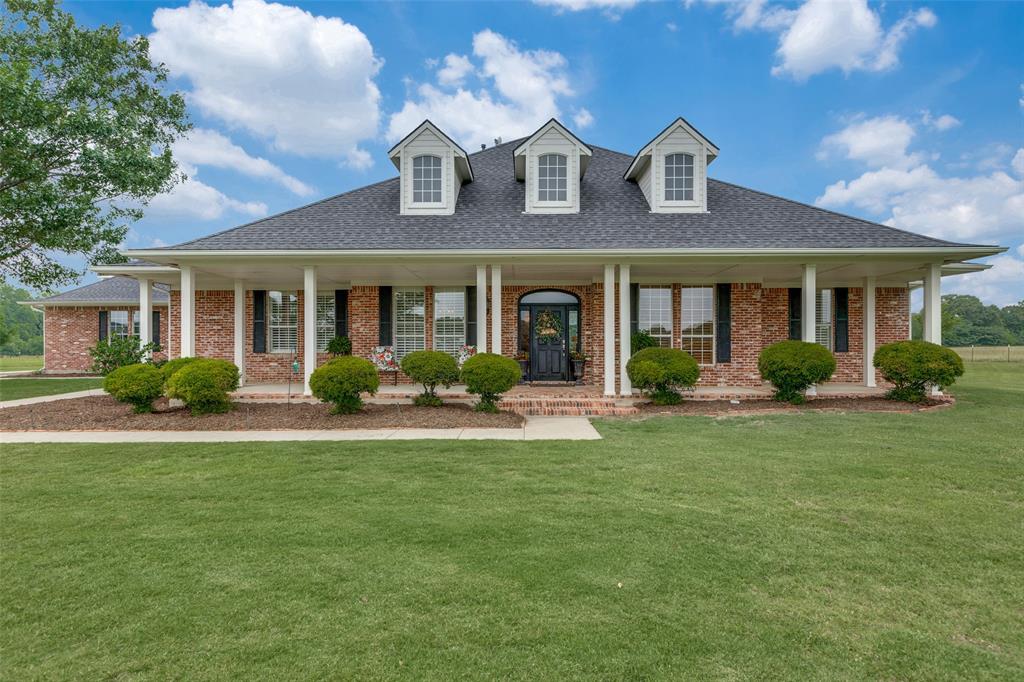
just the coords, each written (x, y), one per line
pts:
(268, 313)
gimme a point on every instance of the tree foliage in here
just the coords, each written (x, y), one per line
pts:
(966, 321)
(21, 327)
(85, 139)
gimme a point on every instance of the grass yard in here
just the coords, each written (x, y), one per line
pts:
(802, 546)
(16, 388)
(19, 363)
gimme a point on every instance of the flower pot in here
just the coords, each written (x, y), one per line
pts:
(578, 367)
(524, 367)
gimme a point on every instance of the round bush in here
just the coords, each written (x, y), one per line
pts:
(339, 345)
(341, 380)
(912, 366)
(138, 385)
(641, 340)
(661, 372)
(171, 366)
(203, 385)
(794, 366)
(489, 375)
(430, 368)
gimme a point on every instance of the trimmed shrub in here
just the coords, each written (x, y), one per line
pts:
(489, 375)
(171, 366)
(117, 352)
(203, 385)
(661, 372)
(341, 380)
(913, 366)
(641, 340)
(138, 385)
(430, 368)
(339, 345)
(794, 366)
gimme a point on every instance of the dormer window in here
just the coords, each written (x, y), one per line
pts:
(426, 180)
(679, 177)
(552, 178)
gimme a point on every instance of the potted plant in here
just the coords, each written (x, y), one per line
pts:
(524, 364)
(579, 364)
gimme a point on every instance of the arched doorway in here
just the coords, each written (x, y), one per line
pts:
(549, 331)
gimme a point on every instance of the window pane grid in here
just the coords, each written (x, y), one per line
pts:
(552, 178)
(823, 321)
(284, 321)
(324, 321)
(679, 177)
(426, 180)
(697, 323)
(410, 327)
(654, 314)
(117, 325)
(449, 320)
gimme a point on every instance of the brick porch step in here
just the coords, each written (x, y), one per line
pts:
(568, 407)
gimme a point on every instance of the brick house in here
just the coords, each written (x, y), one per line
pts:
(537, 248)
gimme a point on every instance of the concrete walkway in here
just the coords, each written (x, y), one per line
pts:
(535, 428)
(51, 398)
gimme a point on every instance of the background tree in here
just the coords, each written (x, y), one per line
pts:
(85, 135)
(966, 321)
(21, 327)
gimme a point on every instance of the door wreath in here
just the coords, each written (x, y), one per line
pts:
(548, 327)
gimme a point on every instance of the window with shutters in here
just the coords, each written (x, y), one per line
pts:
(410, 323)
(654, 313)
(697, 323)
(324, 320)
(117, 325)
(449, 320)
(823, 318)
(426, 180)
(283, 321)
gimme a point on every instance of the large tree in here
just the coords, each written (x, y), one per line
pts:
(85, 133)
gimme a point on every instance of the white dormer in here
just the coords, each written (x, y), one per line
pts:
(432, 168)
(551, 162)
(672, 169)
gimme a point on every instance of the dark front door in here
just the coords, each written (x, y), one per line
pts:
(549, 359)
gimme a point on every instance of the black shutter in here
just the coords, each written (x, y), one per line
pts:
(341, 312)
(384, 311)
(104, 316)
(259, 321)
(634, 308)
(156, 327)
(470, 316)
(723, 320)
(795, 332)
(842, 330)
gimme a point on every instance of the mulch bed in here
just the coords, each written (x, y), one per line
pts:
(103, 413)
(717, 408)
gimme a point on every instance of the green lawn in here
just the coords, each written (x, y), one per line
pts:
(801, 546)
(30, 387)
(17, 363)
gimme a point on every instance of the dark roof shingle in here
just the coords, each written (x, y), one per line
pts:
(111, 290)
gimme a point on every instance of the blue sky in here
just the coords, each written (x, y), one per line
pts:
(905, 113)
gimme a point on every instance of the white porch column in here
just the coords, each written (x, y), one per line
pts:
(808, 304)
(933, 303)
(869, 331)
(188, 312)
(308, 325)
(609, 330)
(240, 329)
(625, 387)
(496, 309)
(481, 308)
(145, 312)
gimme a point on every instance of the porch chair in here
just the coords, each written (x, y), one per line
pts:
(383, 358)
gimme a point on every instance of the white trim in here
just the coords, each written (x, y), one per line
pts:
(145, 313)
(308, 325)
(625, 386)
(609, 330)
(496, 309)
(187, 347)
(239, 329)
(808, 304)
(481, 308)
(869, 332)
(933, 303)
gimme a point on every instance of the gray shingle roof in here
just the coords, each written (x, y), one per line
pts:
(110, 290)
(613, 214)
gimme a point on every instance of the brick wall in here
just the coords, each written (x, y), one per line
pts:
(69, 333)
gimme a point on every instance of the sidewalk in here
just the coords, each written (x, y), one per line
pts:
(51, 398)
(535, 428)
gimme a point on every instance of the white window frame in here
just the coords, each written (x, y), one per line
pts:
(285, 300)
(409, 335)
(665, 179)
(325, 321)
(646, 316)
(126, 325)
(136, 328)
(683, 322)
(449, 341)
(564, 166)
(439, 179)
(824, 321)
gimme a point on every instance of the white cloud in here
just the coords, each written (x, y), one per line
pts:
(456, 68)
(304, 82)
(877, 142)
(1001, 284)
(1018, 163)
(940, 123)
(523, 89)
(582, 118)
(1020, 101)
(205, 147)
(195, 199)
(612, 7)
(672, 26)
